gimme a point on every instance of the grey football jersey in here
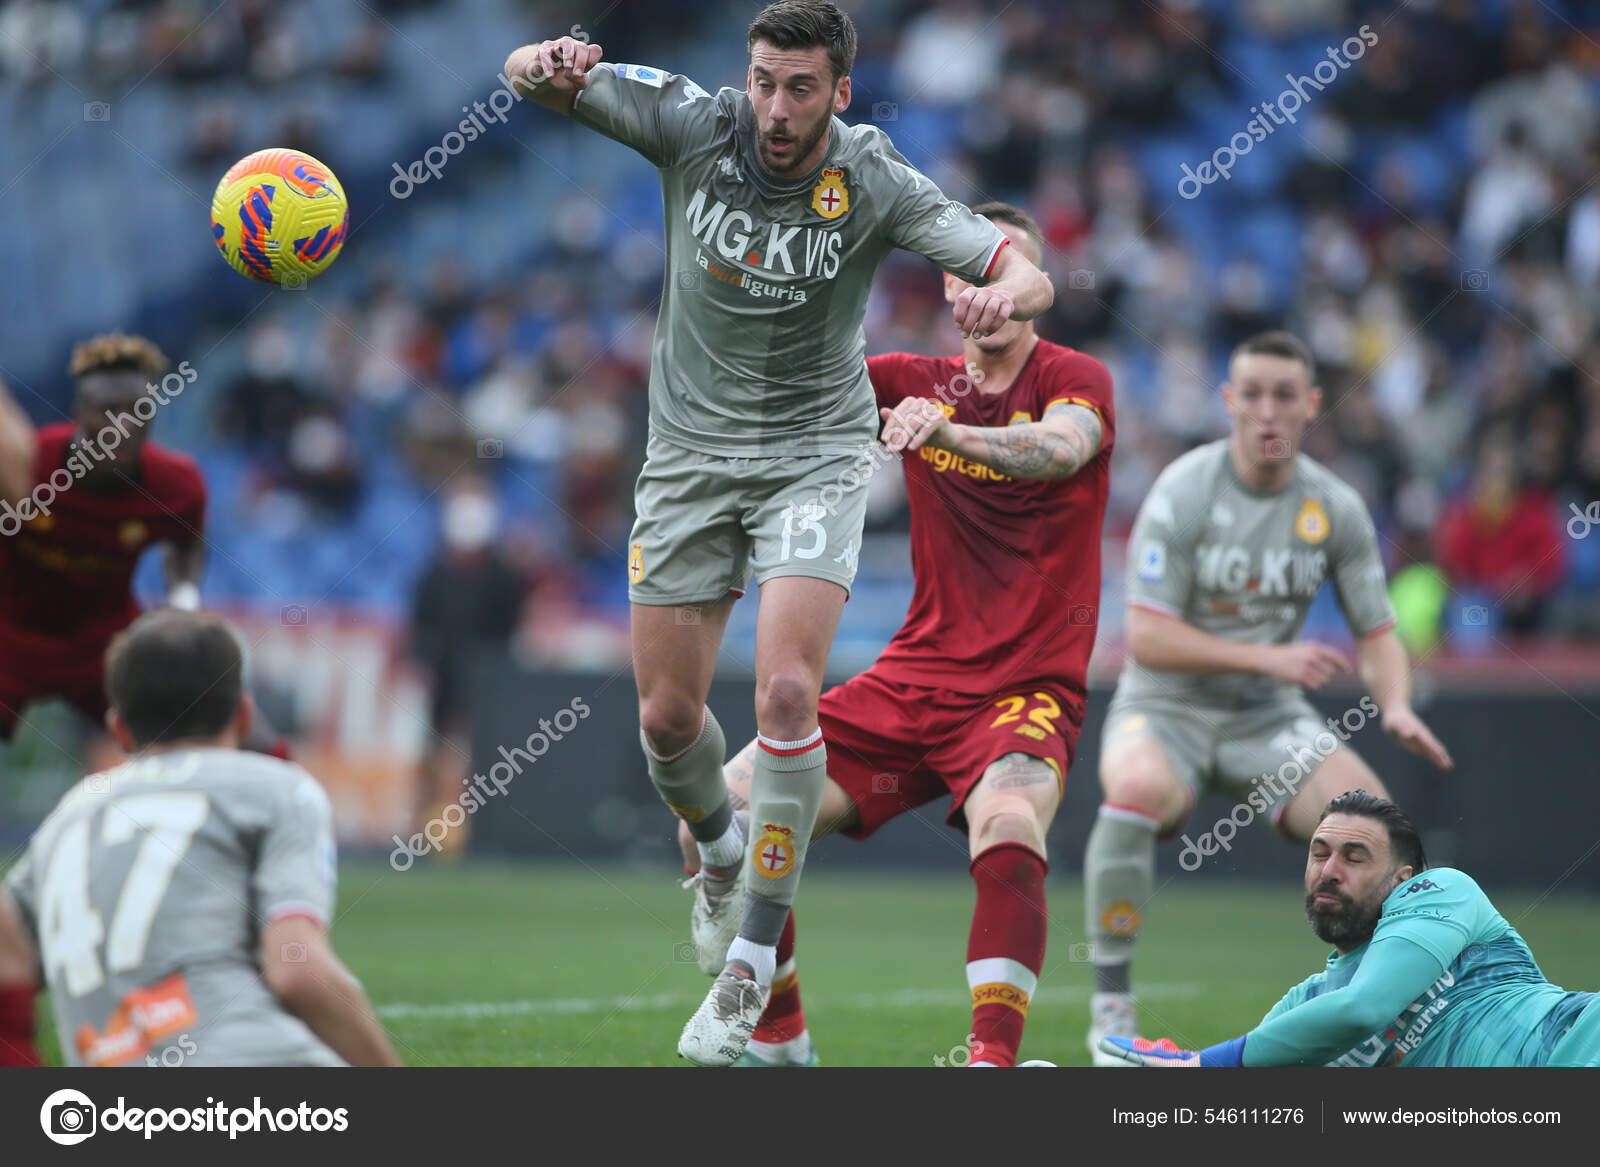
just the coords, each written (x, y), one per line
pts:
(1245, 565)
(147, 889)
(758, 346)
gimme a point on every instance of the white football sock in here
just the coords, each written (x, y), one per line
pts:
(725, 851)
(761, 957)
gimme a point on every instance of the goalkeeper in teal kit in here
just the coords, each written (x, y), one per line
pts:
(1425, 972)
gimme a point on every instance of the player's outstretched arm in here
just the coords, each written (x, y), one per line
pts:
(1058, 446)
(1016, 290)
(1386, 671)
(550, 72)
(182, 565)
(301, 969)
(17, 444)
(1161, 641)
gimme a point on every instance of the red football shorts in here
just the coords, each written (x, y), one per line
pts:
(33, 668)
(893, 747)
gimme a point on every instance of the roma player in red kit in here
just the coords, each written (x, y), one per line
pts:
(80, 502)
(99, 495)
(1006, 452)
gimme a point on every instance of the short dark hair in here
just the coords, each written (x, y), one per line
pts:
(808, 24)
(1278, 343)
(116, 350)
(1013, 216)
(174, 675)
(1404, 840)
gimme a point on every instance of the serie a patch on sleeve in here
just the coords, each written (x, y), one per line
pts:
(644, 74)
(1152, 562)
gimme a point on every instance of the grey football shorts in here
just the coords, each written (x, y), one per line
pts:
(1274, 746)
(706, 522)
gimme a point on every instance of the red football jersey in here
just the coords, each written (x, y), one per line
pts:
(1007, 571)
(66, 576)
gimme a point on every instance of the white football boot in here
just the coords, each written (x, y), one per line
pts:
(1111, 1015)
(714, 917)
(720, 1029)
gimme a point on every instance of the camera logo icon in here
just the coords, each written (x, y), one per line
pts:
(1475, 280)
(1081, 279)
(292, 615)
(886, 784)
(96, 111)
(67, 1117)
(1475, 615)
(292, 281)
(688, 281)
(885, 111)
(491, 448)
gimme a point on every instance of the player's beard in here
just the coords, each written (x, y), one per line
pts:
(1347, 926)
(800, 146)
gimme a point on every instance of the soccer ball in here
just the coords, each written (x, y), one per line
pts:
(279, 216)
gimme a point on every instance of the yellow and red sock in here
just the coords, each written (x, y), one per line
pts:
(16, 1026)
(784, 1020)
(1005, 950)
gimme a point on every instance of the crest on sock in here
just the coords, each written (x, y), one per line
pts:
(774, 851)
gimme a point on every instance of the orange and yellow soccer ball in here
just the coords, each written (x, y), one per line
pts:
(279, 216)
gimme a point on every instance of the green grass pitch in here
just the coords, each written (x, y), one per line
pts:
(495, 964)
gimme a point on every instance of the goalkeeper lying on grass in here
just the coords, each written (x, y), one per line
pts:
(1425, 972)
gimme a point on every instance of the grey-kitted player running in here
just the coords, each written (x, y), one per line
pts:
(178, 904)
(1230, 547)
(778, 215)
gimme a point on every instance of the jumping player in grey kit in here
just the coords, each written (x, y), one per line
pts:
(178, 904)
(778, 214)
(1229, 549)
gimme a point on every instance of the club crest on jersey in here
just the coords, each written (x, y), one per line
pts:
(636, 562)
(774, 851)
(1311, 524)
(830, 198)
(133, 533)
(1021, 417)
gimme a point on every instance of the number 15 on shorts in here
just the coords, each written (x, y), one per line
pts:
(1033, 715)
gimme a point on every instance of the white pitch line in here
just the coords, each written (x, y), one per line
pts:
(899, 999)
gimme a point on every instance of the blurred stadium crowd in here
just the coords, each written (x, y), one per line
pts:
(474, 366)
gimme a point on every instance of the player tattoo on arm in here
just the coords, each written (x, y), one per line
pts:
(1057, 447)
(737, 774)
